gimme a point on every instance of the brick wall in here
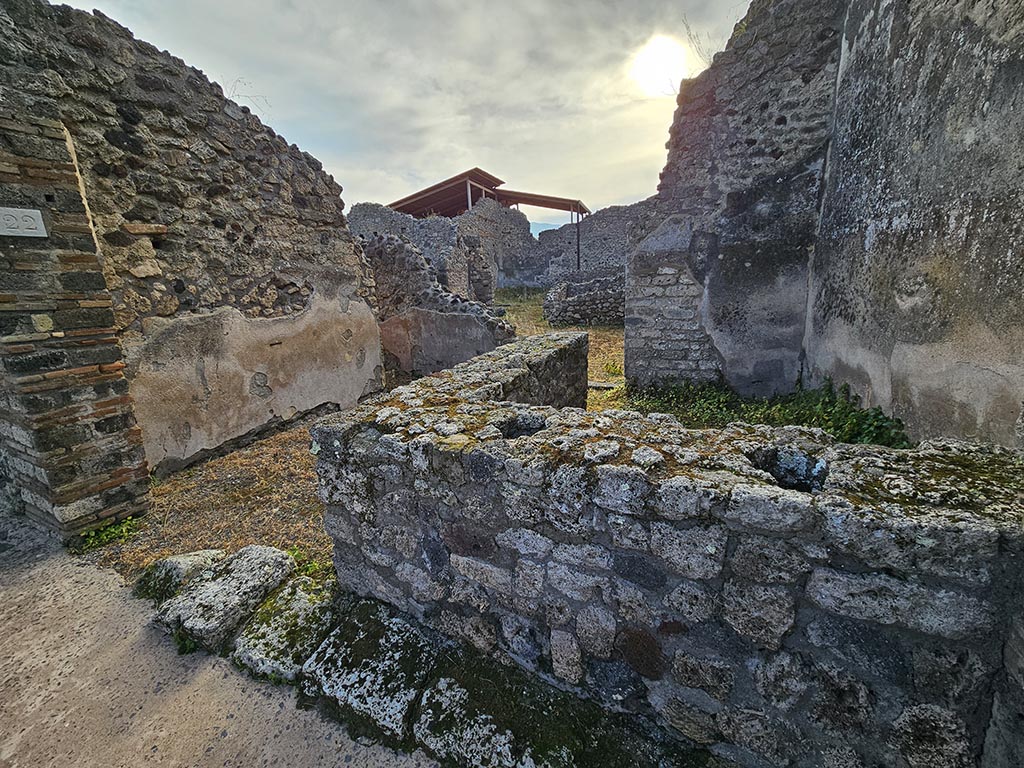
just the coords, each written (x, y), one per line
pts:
(67, 421)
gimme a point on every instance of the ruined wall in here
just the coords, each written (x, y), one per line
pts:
(423, 327)
(70, 452)
(459, 263)
(840, 186)
(504, 238)
(741, 189)
(587, 298)
(919, 263)
(784, 600)
(239, 296)
(606, 237)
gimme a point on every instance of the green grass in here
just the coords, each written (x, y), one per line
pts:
(838, 412)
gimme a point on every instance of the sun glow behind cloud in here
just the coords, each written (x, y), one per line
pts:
(659, 66)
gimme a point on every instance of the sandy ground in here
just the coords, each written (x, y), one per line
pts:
(86, 680)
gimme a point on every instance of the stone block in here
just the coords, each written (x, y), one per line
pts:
(374, 665)
(208, 611)
(768, 561)
(595, 628)
(566, 659)
(759, 613)
(165, 578)
(927, 736)
(694, 553)
(713, 676)
(883, 599)
(286, 629)
(768, 508)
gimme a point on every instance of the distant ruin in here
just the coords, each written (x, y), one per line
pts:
(837, 202)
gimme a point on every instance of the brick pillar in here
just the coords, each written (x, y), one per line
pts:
(71, 453)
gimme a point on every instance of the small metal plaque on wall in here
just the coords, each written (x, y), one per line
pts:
(21, 222)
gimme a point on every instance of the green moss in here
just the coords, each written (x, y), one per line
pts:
(987, 482)
(555, 727)
(156, 584)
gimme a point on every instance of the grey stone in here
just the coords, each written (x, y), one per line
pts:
(566, 659)
(875, 597)
(711, 675)
(767, 560)
(209, 610)
(692, 602)
(374, 665)
(454, 730)
(286, 629)
(761, 614)
(782, 679)
(927, 736)
(595, 627)
(166, 577)
(766, 508)
(694, 553)
(621, 489)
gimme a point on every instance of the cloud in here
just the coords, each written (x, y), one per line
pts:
(392, 95)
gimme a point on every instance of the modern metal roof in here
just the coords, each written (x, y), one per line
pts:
(456, 195)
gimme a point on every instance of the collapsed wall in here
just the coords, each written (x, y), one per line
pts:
(779, 598)
(839, 203)
(457, 261)
(915, 295)
(503, 234)
(234, 290)
(423, 327)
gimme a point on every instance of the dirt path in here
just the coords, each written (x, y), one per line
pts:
(87, 681)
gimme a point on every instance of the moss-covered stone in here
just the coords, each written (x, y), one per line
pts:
(371, 669)
(165, 578)
(476, 712)
(286, 629)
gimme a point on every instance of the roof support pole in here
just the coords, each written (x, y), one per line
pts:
(469, 195)
(577, 240)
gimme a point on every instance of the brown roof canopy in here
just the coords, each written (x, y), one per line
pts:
(456, 195)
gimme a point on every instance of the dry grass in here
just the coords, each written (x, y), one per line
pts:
(264, 493)
(525, 311)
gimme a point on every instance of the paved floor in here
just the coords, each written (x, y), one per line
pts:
(86, 680)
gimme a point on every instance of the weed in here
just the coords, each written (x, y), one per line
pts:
(118, 533)
(712, 405)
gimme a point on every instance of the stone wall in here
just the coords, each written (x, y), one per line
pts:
(70, 450)
(917, 271)
(777, 597)
(239, 297)
(740, 192)
(587, 298)
(503, 236)
(606, 237)
(838, 190)
(423, 327)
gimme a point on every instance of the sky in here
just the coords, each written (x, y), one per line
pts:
(560, 97)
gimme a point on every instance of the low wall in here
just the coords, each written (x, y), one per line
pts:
(777, 597)
(588, 298)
